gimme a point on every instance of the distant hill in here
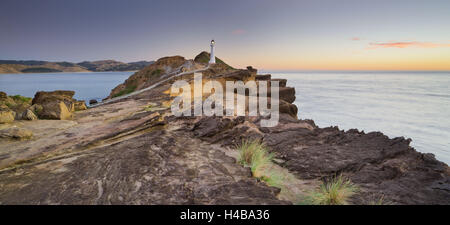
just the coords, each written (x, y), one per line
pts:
(35, 66)
(111, 65)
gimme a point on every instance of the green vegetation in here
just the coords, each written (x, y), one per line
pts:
(203, 57)
(154, 73)
(125, 91)
(40, 70)
(254, 154)
(335, 191)
(21, 99)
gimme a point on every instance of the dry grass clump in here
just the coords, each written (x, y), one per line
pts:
(335, 191)
(255, 155)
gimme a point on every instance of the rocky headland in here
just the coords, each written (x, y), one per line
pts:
(132, 150)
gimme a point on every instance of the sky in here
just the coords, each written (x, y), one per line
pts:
(267, 34)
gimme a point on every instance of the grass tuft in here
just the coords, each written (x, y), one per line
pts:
(335, 191)
(255, 155)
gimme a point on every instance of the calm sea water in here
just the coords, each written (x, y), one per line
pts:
(414, 105)
(86, 85)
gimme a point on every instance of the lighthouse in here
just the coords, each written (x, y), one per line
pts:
(212, 59)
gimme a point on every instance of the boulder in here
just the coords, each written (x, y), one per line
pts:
(28, 115)
(6, 115)
(92, 101)
(15, 133)
(288, 108)
(56, 105)
(43, 97)
(56, 110)
(80, 105)
(36, 108)
(3, 95)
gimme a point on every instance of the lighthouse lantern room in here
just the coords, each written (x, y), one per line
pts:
(212, 59)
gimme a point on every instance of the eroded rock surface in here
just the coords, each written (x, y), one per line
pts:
(133, 151)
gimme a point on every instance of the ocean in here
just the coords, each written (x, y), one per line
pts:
(87, 86)
(415, 105)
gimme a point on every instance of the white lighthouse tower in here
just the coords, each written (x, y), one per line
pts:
(212, 59)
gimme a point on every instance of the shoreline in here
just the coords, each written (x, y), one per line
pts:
(71, 72)
(332, 124)
(195, 159)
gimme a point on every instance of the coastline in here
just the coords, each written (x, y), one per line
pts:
(192, 160)
(70, 72)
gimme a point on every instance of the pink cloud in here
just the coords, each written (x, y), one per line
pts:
(238, 31)
(356, 39)
(407, 44)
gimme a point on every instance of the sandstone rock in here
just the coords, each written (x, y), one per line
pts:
(55, 110)
(287, 94)
(3, 95)
(15, 133)
(28, 115)
(52, 109)
(239, 75)
(80, 105)
(263, 77)
(286, 107)
(149, 75)
(43, 97)
(6, 116)
(36, 108)
(7, 101)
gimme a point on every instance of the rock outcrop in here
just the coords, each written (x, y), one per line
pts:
(57, 105)
(12, 107)
(150, 74)
(134, 151)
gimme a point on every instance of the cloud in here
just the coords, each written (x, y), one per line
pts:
(407, 44)
(238, 31)
(355, 39)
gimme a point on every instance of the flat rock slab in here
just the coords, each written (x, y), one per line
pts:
(155, 168)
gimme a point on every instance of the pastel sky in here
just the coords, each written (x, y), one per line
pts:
(267, 34)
